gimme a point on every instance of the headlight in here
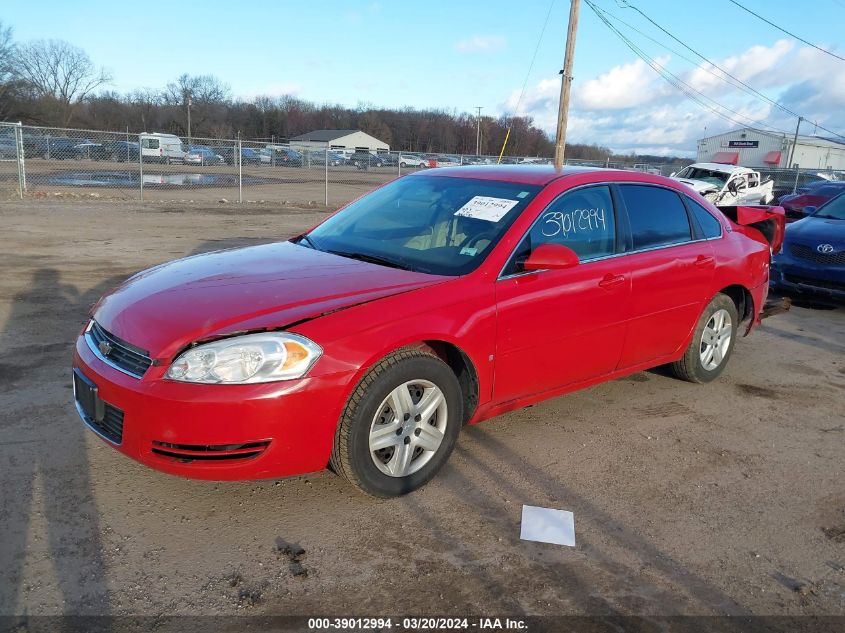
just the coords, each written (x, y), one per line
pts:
(251, 358)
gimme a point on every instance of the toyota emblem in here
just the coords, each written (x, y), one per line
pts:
(825, 248)
(104, 347)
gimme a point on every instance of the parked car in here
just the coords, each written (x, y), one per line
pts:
(281, 156)
(8, 147)
(90, 150)
(203, 156)
(54, 147)
(813, 194)
(812, 262)
(441, 299)
(162, 148)
(412, 160)
(249, 155)
(320, 157)
(121, 151)
(727, 184)
(364, 160)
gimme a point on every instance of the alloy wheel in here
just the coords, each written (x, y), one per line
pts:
(716, 339)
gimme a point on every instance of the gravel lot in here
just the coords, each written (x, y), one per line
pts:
(718, 499)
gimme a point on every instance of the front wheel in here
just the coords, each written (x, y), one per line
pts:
(712, 342)
(400, 424)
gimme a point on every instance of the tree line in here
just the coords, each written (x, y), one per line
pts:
(54, 83)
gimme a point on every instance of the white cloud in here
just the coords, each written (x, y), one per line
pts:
(481, 44)
(630, 107)
(624, 86)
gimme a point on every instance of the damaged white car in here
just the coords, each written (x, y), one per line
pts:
(727, 185)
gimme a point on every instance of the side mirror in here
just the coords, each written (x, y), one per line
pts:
(673, 174)
(810, 209)
(551, 257)
(732, 186)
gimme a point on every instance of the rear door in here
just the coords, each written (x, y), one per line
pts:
(672, 269)
(558, 327)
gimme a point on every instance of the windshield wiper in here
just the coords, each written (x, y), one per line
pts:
(304, 238)
(372, 259)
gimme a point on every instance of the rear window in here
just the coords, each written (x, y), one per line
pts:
(149, 143)
(657, 216)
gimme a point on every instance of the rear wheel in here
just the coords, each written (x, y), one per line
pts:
(400, 424)
(712, 342)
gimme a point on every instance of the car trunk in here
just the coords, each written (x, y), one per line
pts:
(768, 221)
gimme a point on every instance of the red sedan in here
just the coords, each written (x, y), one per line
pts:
(441, 299)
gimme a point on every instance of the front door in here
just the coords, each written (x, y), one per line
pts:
(558, 327)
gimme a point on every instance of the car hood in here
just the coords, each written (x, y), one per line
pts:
(813, 231)
(698, 185)
(165, 308)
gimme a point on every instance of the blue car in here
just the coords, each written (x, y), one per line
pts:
(812, 261)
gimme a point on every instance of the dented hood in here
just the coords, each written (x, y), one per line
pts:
(165, 308)
(699, 186)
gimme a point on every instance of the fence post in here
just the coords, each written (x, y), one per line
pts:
(20, 156)
(327, 175)
(141, 168)
(399, 164)
(797, 171)
(240, 172)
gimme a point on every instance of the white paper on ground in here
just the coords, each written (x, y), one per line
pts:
(548, 526)
(486, 208)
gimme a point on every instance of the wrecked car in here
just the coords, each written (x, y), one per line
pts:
(440, 299)
(726, 185)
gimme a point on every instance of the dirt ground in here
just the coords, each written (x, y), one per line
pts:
(719, 499)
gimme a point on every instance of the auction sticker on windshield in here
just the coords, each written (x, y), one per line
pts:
(486, 208)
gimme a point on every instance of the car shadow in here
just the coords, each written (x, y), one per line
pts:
(46, 474)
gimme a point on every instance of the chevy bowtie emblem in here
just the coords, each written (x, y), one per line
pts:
(825, 248)
(104, 347)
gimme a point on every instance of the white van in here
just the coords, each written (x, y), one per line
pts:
(162, 148)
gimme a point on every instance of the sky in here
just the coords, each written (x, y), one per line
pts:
(460, 54)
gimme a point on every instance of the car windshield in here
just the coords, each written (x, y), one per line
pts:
(833, 210)
(429, 224)
(705, 175)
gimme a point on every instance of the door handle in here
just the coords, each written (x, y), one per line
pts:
(611, 281)
(703, 261)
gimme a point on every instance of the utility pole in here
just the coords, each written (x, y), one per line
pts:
(792, 153)
(565, 83)
(189, 120)
(478, 131)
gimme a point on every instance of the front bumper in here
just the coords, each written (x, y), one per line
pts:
(284, 428)
(790, 276)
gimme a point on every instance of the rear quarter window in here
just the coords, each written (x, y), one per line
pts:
(656, 215)
(710, 226)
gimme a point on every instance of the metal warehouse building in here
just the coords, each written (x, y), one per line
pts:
(339, 139)
(755, 148)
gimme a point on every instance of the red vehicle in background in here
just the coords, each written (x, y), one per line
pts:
(812, 195)
(441, 299)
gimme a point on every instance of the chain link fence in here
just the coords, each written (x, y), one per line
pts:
(41, 161)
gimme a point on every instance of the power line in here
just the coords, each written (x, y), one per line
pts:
(697, 96)
(737, 82)
(527, 76)
(783, 30)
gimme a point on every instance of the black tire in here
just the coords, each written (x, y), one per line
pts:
(351, 457)
(690, 367)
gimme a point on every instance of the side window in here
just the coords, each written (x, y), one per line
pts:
(149, 143)
(657, 216)
(710, 226)
(582, 220)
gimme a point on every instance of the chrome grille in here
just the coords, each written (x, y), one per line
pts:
(117, 352)
(811, 254)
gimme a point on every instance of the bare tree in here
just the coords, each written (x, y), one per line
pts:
(58, 70)
(8, 84)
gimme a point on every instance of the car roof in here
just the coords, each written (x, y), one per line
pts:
(522, 174)
(728, 169)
